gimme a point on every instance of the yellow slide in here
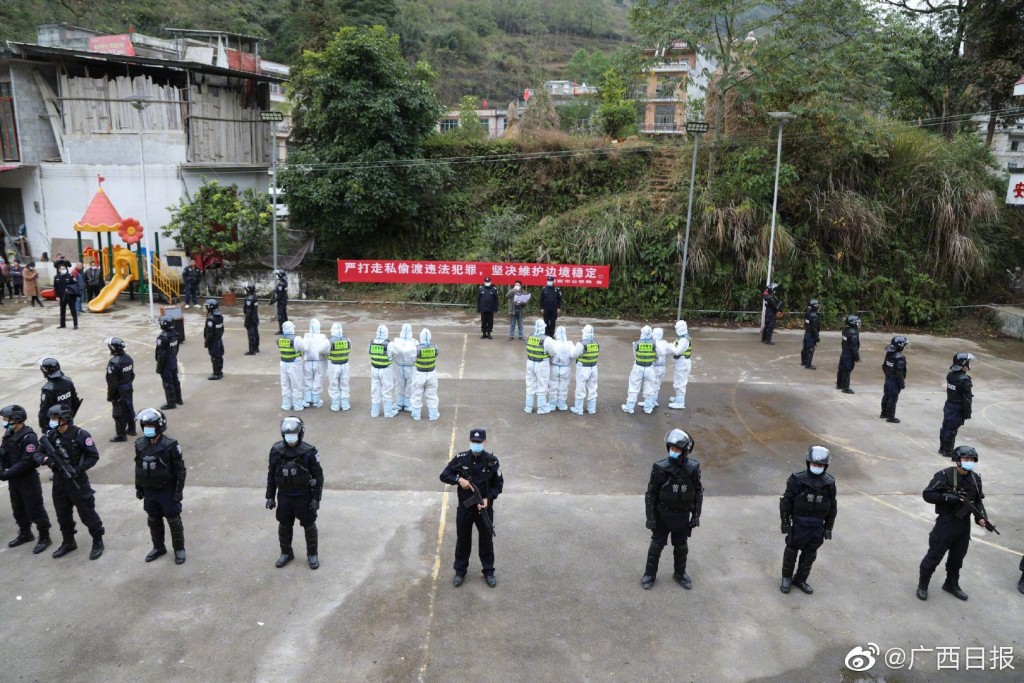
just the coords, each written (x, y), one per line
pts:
(125, 273)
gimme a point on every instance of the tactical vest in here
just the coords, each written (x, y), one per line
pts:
(889, 365)
(286, 346)
(689, 348)
(426, 357)
(535, 349)
(953, 380)
(340, 347)
(645, 353)
(291, 475)
(153, 471)
(379, 354)
(591, 350)
(677, 494)
(811, 502)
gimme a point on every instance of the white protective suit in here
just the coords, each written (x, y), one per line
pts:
(537, 373)
(291, 372)
(403, 350)
(382, 380)
(641, 377)
(560, 350)
(664, 350)
(338, 373)
(314, 364)
(424, 384)
(681, 377)
(586, 376)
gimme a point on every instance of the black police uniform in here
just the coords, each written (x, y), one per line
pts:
(167, 367)
(280, 297)
(812, 332)
(297, 479)
(120, 393)
(895, 369)
(674, 498)
(66, 288)
(61, 390)
(957, 409)
(213, 340)
(78, 449)
(484, 472)
(550, 303)
(17, 462)
(160, 485)
(486, 306)
(808, 509)
(849, 356)
(251, 308)
(952, 530)
(772, 306)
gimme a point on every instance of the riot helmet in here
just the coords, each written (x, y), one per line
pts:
(115, 344)
(773, 286)
(211, 304)
(250, 288)
(965, 452)
(681, 440)
(153, 418)
(962, 360)
(899, 343)
(818, 456)
(14, 413)
(50, 368)
(62, 411)
(166, 322)
(280, 274)
(852, 321)
(292, 425)
(814, 305)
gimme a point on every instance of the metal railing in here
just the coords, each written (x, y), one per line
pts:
(167, 281)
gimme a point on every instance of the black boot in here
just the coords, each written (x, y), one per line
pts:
(651, 570)
(803, 570)
(311, 546)
(788, 565)
(810, 360)
(177, 393)
(177, 538)
(952, 585)
(1020, 584)
(284, 535)
(679, 553)
(44, 540)
(922, 585)
(156, 532)
(168, 398)
(130, 431)
(24, 536)
(66, 546)
(97, 548)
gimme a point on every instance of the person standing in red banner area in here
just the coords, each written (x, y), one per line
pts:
(487, 306)
(550, 303)
(517, 299)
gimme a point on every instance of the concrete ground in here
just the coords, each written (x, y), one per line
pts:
(571, 540)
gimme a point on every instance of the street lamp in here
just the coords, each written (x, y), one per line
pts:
(273, 118)
(140, 102)
(782, 117)
(696, 129)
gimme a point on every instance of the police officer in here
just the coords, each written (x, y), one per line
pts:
(120, 376)
(550, 304)
(78, 450)
(682, 349)
(160, 483)
(65, 286)
(772, 307)
(382, 379)
(959, 399)
(167, 363)
(586, 353)
(486, 306)
(424, 384)
(213, 338)
(895, 369)
(479, 470)
(674, 498)
(251, 309)
(947, 491)
(297, 479)
(850, 353)
(18, 468)
(338, 371)
(538, 371)
(280, 297)
(59, 389)
(808, 509)
(812, 334)
(642, 375)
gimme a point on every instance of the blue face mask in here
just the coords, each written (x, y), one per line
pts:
(675, 455)
(476, 447)
(291, 439)
(968, 465)
(54, 424)
(817, 469)
(149, 431)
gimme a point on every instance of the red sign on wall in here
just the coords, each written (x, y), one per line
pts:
(470, 273)
(112, 45)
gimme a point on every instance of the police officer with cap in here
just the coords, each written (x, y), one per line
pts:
(280, 297)
(297, 479)
(475, 470)
(167, 363)
(550, 304)
(251, 310)
(59, 389)
(120, 392)
(486, 306)
(895, 369)
(959, 399)
(850, 355)
(160, 483)
(674, 498)
(948, 491)
(213, 338)
(18, 468)
(808, 509)
(79, 452)
(812, 334)
(772, 308)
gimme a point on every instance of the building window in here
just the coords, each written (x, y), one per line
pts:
(665, 117)
(1015, 146)
(8, 129)
(486, 125)
(449, 124)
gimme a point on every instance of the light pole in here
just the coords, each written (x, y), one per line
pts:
(782, 117)
(140, 102)
(273, 118)
(696, 129)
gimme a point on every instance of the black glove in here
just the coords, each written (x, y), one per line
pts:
(695, 522)
(271, 504)
(3, 475)
(314, 504)
(651, 524)
(139, 494)
(952, 498)
(178, 496)
(828, 534)
(786, 527)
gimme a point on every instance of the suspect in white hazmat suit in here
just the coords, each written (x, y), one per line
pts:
(382, 379)
(424, 381)
(663, 349)
(291, 349)
(681, 350)
(403, 351)
(586, 352)
(642, 375)
(560, 351)
(338, 368)
(314, 364)
(537, 370)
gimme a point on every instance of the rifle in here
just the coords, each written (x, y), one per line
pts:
(980, 512)
(476, 499)
(63, 463)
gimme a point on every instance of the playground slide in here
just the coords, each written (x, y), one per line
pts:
(108, 295)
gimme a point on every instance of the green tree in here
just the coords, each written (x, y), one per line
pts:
(236, 224)
(617, 113)
(587, 66)
(470, 127)
(361, 115)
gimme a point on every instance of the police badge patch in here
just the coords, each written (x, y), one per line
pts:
(30, 448)
(88, 441)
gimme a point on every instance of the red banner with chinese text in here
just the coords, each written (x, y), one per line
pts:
(470, 273)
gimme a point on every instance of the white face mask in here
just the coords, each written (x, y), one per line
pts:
(517, 288)
(62, 271)
(291, 439)
(817, 469)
